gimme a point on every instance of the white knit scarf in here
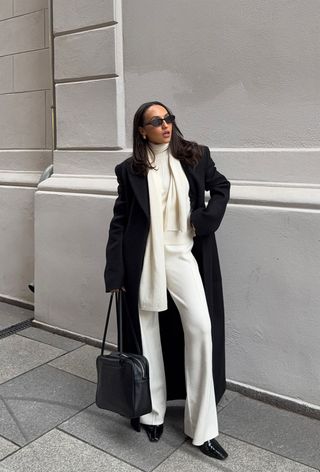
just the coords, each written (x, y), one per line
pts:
(153, 284)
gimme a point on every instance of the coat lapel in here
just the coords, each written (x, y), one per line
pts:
(139, 184)
(194, 185)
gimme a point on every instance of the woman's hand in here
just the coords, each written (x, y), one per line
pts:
(118, 289)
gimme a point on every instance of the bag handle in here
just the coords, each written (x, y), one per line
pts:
(119, 299)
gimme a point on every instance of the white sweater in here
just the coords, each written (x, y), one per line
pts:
(170, 224)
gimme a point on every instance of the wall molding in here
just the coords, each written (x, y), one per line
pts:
(281, 401)
(19, 178)
(283, 166)
(17, 302)
(242, 193)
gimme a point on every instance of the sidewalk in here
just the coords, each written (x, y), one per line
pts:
(49, 421)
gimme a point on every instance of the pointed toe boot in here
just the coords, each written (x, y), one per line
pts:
(213, 449)
(154, 432)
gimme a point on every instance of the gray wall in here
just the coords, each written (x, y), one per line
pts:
(74, 206)
(241, 77)
(239, 74)
(25, 136)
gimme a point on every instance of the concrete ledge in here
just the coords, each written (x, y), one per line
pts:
(79, 184)
(281, 401)
(284, 195)
(88, 162)
(259, 166)
(288, 165)
(17, 302)
(246, 193)
(34, 160)
(22, 178)
(72, 335)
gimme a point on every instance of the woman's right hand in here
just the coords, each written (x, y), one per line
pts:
(118, 289)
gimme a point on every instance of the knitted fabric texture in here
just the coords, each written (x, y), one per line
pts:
(169, 224)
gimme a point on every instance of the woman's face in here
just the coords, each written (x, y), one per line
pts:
(159, 134)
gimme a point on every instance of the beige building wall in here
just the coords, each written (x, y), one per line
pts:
(74, 206)
(25, 137)
(241, 77)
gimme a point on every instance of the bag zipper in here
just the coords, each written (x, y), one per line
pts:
(137, 360)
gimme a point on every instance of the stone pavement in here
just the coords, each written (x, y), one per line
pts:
(49, 421)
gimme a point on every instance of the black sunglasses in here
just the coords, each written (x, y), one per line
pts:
(157, 121)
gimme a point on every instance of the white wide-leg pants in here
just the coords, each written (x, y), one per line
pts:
(186, 288)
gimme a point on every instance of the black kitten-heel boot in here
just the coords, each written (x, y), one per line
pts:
(135, 423)
(213, 449)
(154, 432)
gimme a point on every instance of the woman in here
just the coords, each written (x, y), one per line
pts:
(162, 253)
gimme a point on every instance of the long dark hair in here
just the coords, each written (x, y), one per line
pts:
(183, 150)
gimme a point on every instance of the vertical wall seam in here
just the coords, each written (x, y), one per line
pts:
(53, 87)
(12, 68)
(120, 90)
(44, 28)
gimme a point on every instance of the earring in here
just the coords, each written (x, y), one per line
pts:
(144, 136)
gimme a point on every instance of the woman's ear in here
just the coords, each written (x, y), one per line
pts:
(142, 132)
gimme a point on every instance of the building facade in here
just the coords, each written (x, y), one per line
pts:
(242, 78)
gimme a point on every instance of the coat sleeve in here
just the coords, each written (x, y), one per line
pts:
(114, 269)
(208, 219)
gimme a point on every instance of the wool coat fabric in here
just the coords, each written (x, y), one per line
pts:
(125, 250)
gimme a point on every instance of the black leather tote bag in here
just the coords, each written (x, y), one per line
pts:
(123, 378)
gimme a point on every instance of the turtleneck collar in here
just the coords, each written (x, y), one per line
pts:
(158, 148)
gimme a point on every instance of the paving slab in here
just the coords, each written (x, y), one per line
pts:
(19, 354)
(227, 397)
(12, 314)
(283, 432)
(113, 434)
(56, 340)
(81, 362)
(60, 452)
(6, 448)
(39, 400)
(242, 457)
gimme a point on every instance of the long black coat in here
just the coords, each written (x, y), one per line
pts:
(125, 250)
